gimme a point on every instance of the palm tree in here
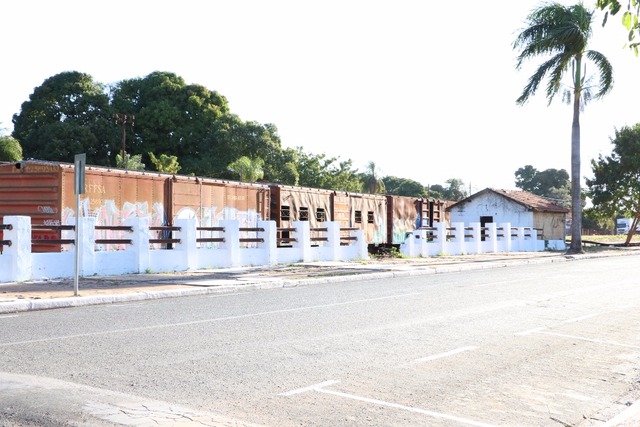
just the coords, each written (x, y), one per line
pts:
(250, 170)
(562, 33)
(371, 182)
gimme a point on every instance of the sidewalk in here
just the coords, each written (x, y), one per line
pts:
(59, 293)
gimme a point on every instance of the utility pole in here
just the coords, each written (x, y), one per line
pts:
(123, 119)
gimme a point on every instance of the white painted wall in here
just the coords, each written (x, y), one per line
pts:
(491, 204)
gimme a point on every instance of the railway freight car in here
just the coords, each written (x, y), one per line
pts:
(44, 192)
(367, 212)
(406, 214)
(292, 203)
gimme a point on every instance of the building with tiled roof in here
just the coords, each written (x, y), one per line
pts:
(519, 208)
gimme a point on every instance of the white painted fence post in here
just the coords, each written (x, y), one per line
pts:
(87, 255)
(522, 242)
(508, 241)
(477, 237)
(232, 240)
(139, 247)
(187, 247)
(491, 236)
(441, 237)
(333, 239)
(458, 233)
(18, 255)
(270, 244)
(363, 247)
(303, 237)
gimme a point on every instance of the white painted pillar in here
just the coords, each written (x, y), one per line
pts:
(232, 241)
(303, 237)
(139, 248)
(87, 243)
(476, 231)
(508, 241)
(458, 233)
(18, 256)
(270, 244)
(441, 237)
(333, 240)
(187, 247)
(491, 236)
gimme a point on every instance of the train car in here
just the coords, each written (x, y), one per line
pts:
(292, 203)
(406, 214)
(44, 192)
(367, 212)
(211, 200)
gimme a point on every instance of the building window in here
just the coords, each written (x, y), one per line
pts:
(370, 217)
(321, 215)
(285, 213)
(358, 217)
(304, 214)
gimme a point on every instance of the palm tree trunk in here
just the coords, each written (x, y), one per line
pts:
(576, 199)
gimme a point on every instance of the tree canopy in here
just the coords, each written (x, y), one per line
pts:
(68, 114)
(615, 186)
(550, 183)
(629, 18)
(10, 149)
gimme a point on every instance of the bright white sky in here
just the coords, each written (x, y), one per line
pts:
(426, 92)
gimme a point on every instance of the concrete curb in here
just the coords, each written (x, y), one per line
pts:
(261, 283)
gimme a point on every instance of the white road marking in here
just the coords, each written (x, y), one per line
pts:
(574, 337)
(320, 389)
(585, 317)
(530, 331)
(315, 387)
(441, 355)
(8, 316)
(212, 320)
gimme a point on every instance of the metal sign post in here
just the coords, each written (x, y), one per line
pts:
(78, 188)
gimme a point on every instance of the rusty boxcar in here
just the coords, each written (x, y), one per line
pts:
(293, 203)
(406, 214)
(44, 192)
(367, 212)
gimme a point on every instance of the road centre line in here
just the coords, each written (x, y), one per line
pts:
(212, 320)
(320, 388)
(442, 355)
(8, 316)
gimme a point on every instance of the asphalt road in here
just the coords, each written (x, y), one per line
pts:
(532, 345)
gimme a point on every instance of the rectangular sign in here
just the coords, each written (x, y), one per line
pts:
(79, 163)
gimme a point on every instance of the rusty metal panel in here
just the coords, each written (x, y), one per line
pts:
(301, 203)
(403, 217)
(367, 212)
(33, 189)
(211, 200)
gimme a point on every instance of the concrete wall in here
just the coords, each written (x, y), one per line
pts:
(18, 263)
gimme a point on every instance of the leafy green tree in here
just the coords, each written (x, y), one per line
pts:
(130, 162)
(615, 186)
(561, 34)
(170, 115)
(629, 18)
(371, 182)
(404, 187)
(249, 170)
(455, 190)
(10, 149)
(66, 115)
(320, 171)
(436, 191)
(550, 183)
(165, 163)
